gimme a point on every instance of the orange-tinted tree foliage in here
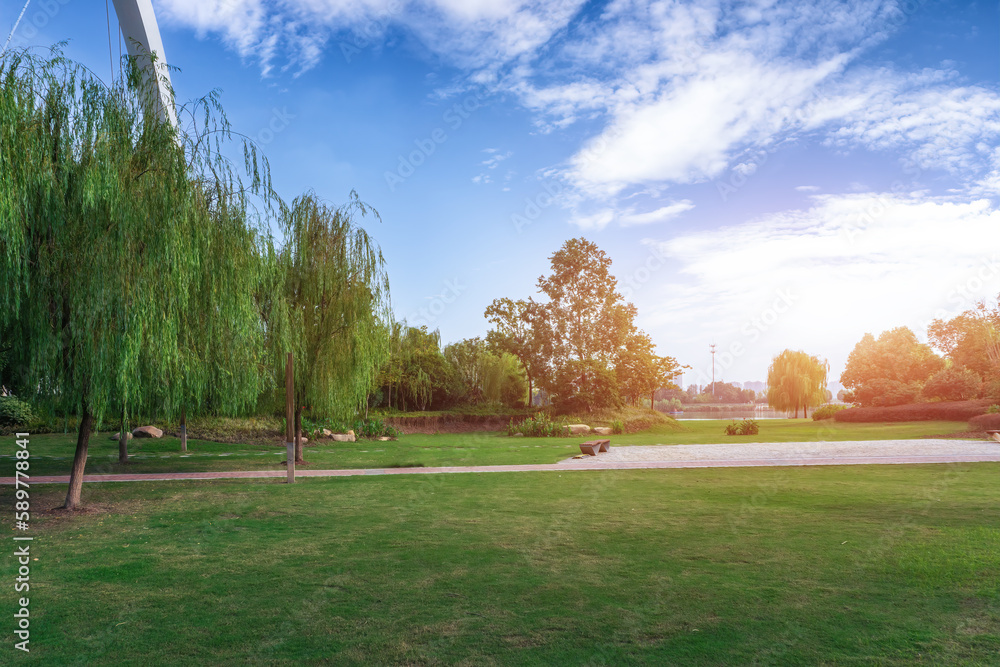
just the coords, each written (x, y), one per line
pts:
(889, 370)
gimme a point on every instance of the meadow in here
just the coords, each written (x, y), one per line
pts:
(886, 565)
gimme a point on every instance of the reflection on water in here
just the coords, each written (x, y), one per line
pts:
(734, 412)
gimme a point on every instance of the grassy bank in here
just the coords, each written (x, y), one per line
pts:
(888, 565)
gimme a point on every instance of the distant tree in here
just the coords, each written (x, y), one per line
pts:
(426, 380)
(971, 339)
(582, 327)
(466, 357)
(485, 375)
(513, 334)
(334, 309)
(890, 370)
(641, 373)
(727, 392)
(796, 380)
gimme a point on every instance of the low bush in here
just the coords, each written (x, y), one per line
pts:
(539, 426)
(363, 428)
(15, 412)
(617, 426)
(958, 411)
(993, 409)
(745, 427)
(987, 422)
(827, 411)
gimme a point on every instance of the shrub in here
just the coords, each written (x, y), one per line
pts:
(882, 392)
(374, 428)
(953, 384)
(15, 412)
(827, 411)
(617, 426)
(987, 422)
(745, 427)
(539, 426)
(993, 409)
(958, 411)
(363, 428)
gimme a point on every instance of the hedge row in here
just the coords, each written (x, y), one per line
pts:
(985, 423)
(958, 411)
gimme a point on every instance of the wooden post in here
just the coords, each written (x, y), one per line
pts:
(289, 417)
(184, 429)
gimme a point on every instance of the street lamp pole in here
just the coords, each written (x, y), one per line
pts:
(712, 346)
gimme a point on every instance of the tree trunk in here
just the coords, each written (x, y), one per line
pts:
(79, 460)
(184, 429)
(530, 392)
(298, 434)
(652, 400)
(123, 445)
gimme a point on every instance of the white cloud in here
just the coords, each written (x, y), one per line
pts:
(594, 221)
(686, 90)
(807, 188)
(472, 34)
(851, 263)
(662, 214)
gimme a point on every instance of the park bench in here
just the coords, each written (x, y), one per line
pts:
(592, 447)
(995, 434)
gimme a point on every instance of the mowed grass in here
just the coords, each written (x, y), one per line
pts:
(860, 565)
(52, 454)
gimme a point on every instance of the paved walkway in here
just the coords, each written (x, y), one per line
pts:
(795, 454)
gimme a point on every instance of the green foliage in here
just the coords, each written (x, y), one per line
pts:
(725, 392)
(827, 412)
(617, 426)
(586, 386)
(669, 405)
(373, 427)
(796, 380)
(971, 340)
(882, 392)
(953, 384)
(582, 345)
(514, 335)
(129, 260)
(993, 409)
(890, 370)
(416, 375)
(486, 377)
(15, 412)
(745, 427)
(538, 426)
(333, 308)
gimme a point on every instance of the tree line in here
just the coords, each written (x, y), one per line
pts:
(960, 361)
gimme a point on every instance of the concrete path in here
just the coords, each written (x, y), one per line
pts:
(794, 454)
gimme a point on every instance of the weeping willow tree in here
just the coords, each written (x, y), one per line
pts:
(796, 380)
(110, 224)
(333, 312)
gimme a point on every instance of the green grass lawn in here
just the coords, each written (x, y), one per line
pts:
(53, 453)
(860, 565)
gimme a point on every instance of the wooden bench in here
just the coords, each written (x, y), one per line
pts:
(995, 434)
(592, 447)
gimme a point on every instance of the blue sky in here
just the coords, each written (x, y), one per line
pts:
(764, 175)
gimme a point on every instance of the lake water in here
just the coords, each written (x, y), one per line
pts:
(736, 413)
